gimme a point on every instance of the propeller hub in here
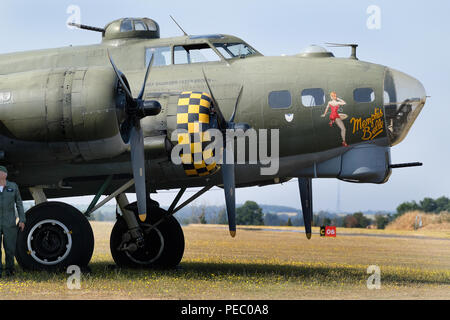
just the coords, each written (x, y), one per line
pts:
(148, 108)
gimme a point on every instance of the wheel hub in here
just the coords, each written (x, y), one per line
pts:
(49, 242)
(150, 251)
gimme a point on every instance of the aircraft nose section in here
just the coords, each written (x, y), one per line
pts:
(404, 98)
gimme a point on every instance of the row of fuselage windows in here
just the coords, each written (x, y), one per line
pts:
(315, 97)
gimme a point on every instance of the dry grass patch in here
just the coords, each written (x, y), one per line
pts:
(439, 222)
(258, 265)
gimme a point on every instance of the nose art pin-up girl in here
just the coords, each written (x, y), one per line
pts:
(335, 117)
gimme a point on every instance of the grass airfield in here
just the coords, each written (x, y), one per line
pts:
(262, 264)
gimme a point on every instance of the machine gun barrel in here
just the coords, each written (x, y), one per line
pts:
(406, 165)
(85, 27)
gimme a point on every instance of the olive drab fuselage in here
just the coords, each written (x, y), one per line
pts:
(59, 128)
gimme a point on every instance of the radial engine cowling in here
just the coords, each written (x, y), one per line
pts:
(76, 111)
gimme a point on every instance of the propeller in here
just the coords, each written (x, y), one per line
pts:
(228, 169)
(130, 128)
(305, 186)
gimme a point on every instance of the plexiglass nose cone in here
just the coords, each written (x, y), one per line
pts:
(404, 98)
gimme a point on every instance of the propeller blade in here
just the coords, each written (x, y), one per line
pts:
(150, 64)
(138, 164)
(228, 173)
(236, 106)
(305, 186)
(230, 195)
(119, 75)
(221, 119)
(125, 130)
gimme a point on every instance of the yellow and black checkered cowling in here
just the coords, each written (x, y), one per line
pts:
(193, 122)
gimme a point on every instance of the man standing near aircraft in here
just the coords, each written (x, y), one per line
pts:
(9, 195)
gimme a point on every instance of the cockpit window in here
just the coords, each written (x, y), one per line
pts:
(233, 50)
(161, 56)
(198, 53)
(127, 25)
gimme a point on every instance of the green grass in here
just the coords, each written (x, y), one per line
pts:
(257, 265)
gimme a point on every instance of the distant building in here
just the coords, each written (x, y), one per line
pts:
(287, 214)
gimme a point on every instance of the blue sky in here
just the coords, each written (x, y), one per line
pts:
(413, 38)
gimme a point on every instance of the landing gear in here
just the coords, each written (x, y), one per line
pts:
(56, 235)
(162, 245)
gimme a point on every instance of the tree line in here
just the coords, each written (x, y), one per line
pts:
(250, 213)
(427, 205)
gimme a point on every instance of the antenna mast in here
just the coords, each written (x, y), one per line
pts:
(178, 25)
(354, 46)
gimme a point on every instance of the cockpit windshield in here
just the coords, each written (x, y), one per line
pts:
(234, 50)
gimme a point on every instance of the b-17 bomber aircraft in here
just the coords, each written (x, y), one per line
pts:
(139, 113)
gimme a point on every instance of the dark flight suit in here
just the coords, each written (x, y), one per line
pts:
(9, 197)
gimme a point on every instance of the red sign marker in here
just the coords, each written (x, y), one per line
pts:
(330, 232)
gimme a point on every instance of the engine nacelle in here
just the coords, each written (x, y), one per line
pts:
(71, 109)
(194, 119)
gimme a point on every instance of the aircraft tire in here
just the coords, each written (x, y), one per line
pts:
(56, 235)
(164, 245)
